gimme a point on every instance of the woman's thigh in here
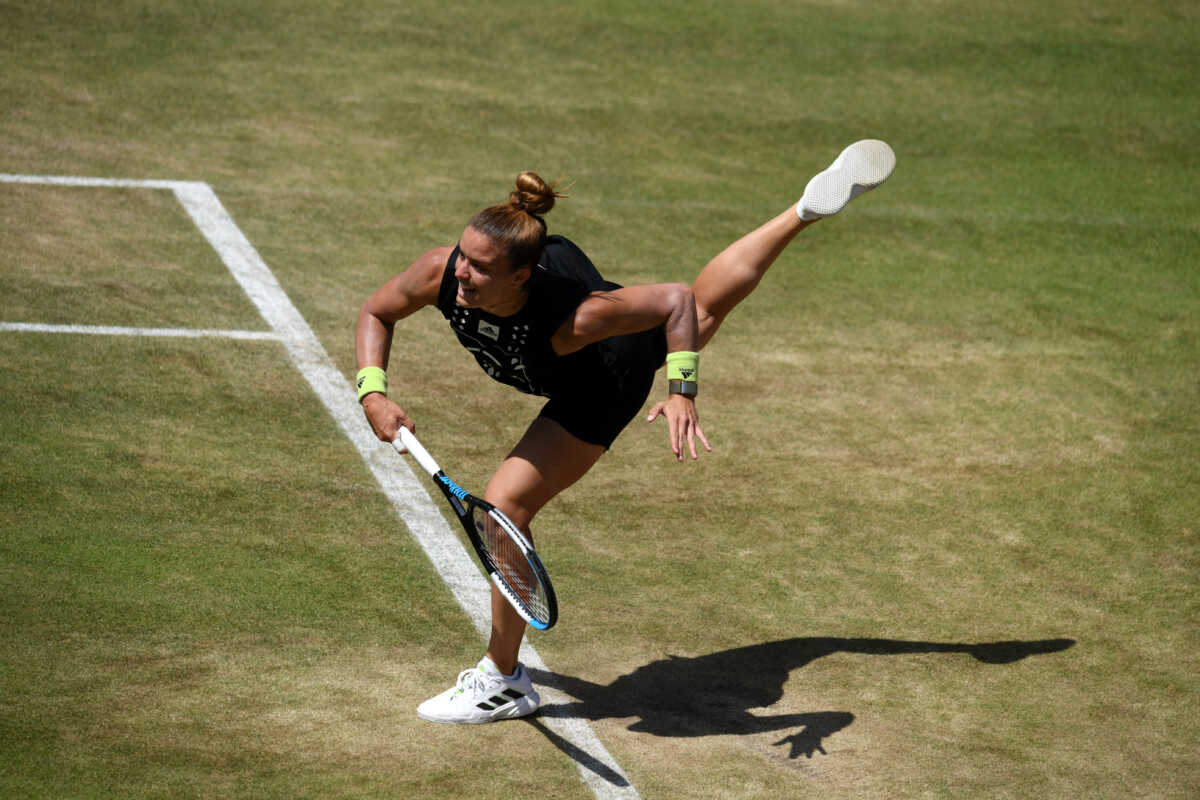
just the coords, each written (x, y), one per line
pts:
(545, 462)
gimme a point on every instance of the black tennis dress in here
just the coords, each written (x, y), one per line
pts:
(594, 392)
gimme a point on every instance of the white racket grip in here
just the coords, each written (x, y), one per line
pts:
(405, 440)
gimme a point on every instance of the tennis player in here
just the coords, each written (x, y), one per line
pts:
(535, 313)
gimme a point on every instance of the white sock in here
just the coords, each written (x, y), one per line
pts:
(489, 667)
(805, 217)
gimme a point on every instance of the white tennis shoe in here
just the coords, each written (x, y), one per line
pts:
(482, 694)
(859, 168)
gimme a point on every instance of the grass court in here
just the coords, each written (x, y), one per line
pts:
(946, 544)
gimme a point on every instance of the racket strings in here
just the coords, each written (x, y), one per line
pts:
(513, 565)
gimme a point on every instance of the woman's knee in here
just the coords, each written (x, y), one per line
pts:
(519, 490)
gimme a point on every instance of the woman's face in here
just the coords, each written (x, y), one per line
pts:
(485, 278)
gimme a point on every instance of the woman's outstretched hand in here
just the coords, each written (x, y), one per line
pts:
(683, 423)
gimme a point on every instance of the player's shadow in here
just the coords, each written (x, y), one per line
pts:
(713, 694)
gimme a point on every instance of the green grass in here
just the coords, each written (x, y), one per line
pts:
(967, 412)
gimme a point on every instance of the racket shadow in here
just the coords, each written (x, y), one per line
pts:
(713, 694)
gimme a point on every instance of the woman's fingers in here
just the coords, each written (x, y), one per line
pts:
(683, 425)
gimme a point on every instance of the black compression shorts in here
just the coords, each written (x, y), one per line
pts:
(599, 411)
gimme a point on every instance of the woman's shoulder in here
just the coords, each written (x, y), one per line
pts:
(435, 259)
(430, 267)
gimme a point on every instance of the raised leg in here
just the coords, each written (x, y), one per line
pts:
(730, 277)
(734, 273)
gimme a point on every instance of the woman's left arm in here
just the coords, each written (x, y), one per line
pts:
(631, 310)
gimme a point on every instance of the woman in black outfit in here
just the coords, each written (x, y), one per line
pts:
(536, 315)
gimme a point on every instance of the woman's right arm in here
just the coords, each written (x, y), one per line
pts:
(404, 294)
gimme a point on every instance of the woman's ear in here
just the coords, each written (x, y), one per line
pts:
(520, 275)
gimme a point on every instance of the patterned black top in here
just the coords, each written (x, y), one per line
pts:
(516, 349)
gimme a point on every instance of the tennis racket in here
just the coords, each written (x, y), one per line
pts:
(507, 556)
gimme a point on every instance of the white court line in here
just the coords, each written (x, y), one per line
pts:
(116, 330)
(110, 183)
(407, 494)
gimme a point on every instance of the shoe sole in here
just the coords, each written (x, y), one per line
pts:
(859, 168)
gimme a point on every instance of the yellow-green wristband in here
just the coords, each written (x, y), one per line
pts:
(371, 379)
(683, 365)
